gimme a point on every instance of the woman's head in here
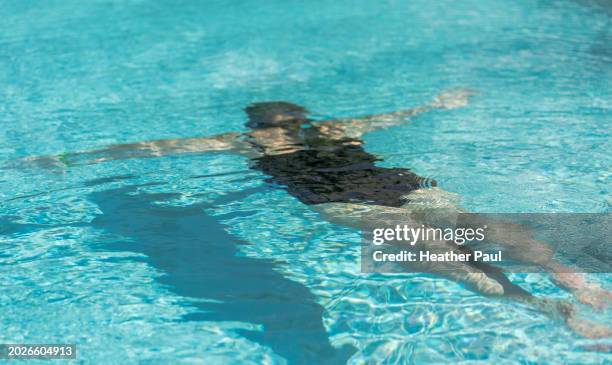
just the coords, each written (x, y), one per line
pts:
(273, 114)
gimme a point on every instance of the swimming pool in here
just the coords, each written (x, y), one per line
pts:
(195, 259)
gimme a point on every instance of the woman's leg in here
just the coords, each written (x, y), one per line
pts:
(486, 279)
(440, 207)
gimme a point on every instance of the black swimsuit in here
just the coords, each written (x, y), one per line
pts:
(326, 170)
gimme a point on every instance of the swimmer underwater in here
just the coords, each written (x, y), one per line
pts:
(324, 165)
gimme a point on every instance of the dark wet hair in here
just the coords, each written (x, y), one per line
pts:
(264, 114)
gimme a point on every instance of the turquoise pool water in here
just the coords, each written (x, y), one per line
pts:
(195, 259)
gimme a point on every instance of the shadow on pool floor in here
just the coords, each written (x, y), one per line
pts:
(200, 260)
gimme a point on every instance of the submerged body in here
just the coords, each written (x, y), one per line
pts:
(324, 165)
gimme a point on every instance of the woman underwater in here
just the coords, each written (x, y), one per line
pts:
(325, 166)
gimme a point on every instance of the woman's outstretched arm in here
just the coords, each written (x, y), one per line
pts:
(223, 142)
(450, 99)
